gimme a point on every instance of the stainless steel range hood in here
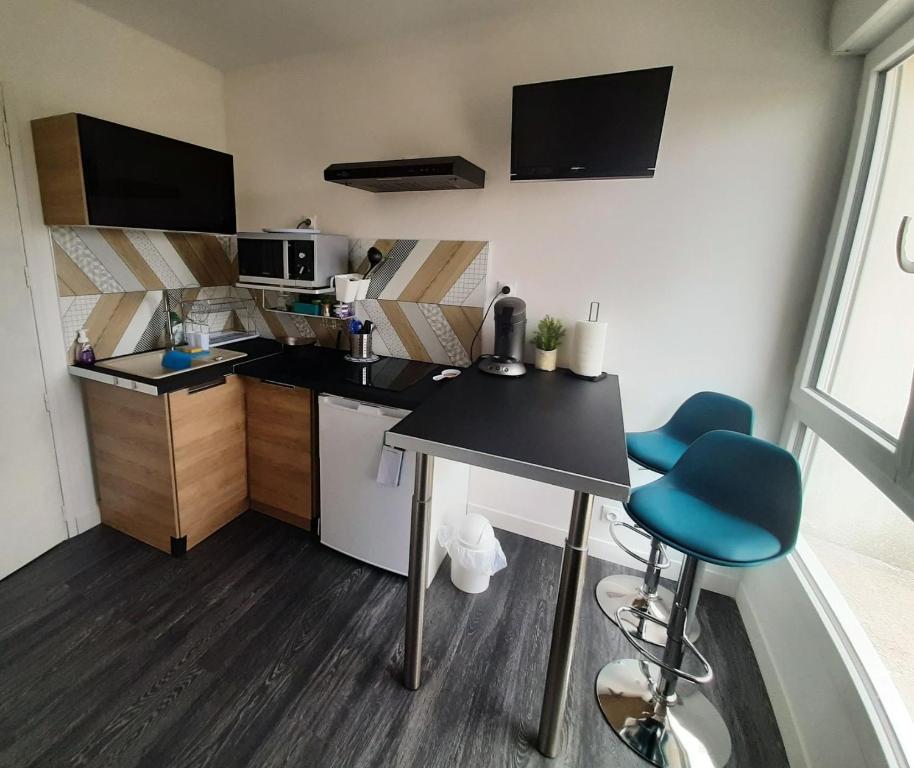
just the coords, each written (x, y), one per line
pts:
(419, 174)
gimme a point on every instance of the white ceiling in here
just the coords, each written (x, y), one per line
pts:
(236, 33)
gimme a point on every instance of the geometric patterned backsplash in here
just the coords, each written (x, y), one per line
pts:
(111, 282)
(425, 299)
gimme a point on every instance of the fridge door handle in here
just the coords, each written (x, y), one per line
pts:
(357, 406)
(339, 402)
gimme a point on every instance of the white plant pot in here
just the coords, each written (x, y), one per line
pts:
(545, 359)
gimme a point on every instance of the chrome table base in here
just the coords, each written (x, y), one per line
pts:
(567, 609)
(614, 592)
(565, 626)
(686, 733)
(418, 567)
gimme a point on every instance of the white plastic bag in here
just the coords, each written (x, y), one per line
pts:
(474, 545)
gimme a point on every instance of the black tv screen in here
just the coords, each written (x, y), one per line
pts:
(600, 127)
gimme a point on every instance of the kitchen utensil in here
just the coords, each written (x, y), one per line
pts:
(447, 373)
(355, 326)
(375, 258)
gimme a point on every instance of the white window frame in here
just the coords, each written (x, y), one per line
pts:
(887, 462)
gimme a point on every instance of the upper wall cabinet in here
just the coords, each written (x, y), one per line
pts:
(101, 174)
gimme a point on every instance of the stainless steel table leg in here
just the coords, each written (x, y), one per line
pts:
(565, 628)
(418, 567)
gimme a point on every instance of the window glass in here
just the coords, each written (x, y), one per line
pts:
(866, 544)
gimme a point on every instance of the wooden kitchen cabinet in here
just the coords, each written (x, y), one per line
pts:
(96, 173)
(280, 451)
(170, 469)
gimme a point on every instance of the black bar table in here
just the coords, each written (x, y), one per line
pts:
(551, 427)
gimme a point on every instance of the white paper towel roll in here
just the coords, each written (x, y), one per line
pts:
(589, 347)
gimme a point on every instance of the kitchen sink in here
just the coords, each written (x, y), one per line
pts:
(149, 364)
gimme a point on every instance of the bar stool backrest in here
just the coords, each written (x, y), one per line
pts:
(744, 477)
(705, 411)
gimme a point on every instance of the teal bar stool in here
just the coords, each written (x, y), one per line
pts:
(732, 500)
(659, 450)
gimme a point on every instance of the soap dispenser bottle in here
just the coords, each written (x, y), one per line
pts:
(85, 355)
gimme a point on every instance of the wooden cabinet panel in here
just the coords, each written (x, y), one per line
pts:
(208, 438)
(280, 451)
(172, 466)
(133, 462)
(60, 170)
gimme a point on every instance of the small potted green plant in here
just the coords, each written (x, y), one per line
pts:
(548, 337)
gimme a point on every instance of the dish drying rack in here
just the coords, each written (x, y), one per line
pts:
(203, 314)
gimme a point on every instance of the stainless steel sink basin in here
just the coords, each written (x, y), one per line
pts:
(149, 364)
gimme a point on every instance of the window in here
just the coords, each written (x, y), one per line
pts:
(851, 416)
(869, 354)
(866, 545)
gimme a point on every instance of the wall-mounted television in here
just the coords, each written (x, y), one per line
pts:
(599, 127)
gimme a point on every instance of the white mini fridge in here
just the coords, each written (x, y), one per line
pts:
(363, 518)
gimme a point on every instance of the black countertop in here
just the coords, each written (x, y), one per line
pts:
(325, 370)
(317, 368)
(552, 427)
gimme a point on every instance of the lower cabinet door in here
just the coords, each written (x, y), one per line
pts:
(279, 450)
(208, 438)
(134, 471)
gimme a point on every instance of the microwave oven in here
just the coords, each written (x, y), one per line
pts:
(307, 260)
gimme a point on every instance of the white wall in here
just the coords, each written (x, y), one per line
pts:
(58, 56)
(704, 273)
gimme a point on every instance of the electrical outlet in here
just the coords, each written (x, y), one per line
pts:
(608, 514)
(510, 284)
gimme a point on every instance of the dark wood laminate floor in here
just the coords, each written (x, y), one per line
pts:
(263, 648)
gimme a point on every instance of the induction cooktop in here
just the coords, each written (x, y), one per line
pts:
(390, 373)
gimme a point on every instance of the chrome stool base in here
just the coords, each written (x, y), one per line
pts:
(614, 592)
(685, 733)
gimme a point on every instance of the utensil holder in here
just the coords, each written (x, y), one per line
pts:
(360, 346)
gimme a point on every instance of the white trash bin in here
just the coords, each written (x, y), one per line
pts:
(475, 553)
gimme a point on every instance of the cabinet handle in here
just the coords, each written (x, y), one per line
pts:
(278, 384)
(208, 385)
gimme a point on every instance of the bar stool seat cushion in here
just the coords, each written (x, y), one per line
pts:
(657, 450)
(697, 528)
(730, 500)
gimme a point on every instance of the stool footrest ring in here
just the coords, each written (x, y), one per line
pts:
(664, 560)
(639, 614)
